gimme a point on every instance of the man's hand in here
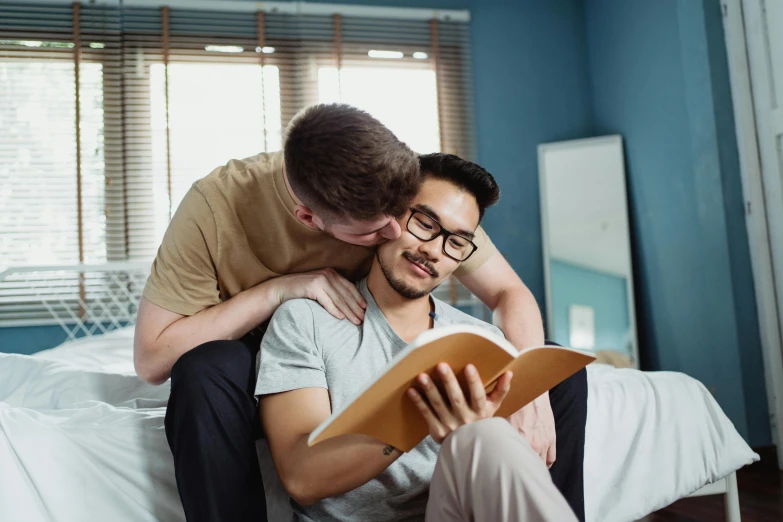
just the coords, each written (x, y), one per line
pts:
(335, 293)
(536, 423)
(443, 416)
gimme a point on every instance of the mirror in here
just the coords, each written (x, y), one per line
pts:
(587, 251)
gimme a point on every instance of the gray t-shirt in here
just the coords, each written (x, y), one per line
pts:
(306, 347)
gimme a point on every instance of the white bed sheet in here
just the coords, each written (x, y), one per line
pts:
(82, 439)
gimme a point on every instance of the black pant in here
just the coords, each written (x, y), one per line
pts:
(212, 424)
(569, 405)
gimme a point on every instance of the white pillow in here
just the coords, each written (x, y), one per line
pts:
(652, 438)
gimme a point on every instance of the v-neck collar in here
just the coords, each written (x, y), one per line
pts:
(375, 314)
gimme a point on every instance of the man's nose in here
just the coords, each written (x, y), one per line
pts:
(392, 230)
(432, 248)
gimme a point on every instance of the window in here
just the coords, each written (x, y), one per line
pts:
(405, 99)
(215, 114)
(167, 95)
(39, 222)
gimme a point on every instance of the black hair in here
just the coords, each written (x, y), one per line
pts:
(465, 174)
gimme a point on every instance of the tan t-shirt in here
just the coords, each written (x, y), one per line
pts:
(236, 228)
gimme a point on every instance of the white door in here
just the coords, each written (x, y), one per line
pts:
(764, 33)
(763, 43)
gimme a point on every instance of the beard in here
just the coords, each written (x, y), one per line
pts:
(400, 286)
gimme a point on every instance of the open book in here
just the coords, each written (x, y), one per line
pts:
(384, 411)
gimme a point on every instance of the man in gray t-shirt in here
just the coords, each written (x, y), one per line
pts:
(312, 363)
(306, 347)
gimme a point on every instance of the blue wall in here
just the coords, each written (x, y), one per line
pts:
(606, 294)
(30, 339)
(660, 78)
(531, 86)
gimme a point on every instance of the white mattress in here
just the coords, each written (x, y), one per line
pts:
(82, 439)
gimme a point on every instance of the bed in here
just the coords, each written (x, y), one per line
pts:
(82, 438)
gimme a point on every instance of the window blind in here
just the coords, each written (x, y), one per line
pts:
(108, 113)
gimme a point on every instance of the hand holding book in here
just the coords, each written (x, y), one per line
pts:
(445, 414)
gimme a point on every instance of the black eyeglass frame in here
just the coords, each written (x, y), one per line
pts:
(442, 232)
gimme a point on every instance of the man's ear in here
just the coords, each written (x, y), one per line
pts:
(308, 217)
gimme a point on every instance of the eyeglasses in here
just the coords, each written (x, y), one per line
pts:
(425, 228)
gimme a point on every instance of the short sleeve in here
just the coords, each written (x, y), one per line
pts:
(485, 250)
(183, 277)
(290, 358)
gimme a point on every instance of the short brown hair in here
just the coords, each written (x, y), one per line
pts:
(342, 162)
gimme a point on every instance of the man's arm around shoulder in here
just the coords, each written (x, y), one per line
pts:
(163, 336)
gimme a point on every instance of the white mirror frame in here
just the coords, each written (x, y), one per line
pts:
(543, 150)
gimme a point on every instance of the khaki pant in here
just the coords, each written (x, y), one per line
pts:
(487, 472)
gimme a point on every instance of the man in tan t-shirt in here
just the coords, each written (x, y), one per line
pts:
(300, 223)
